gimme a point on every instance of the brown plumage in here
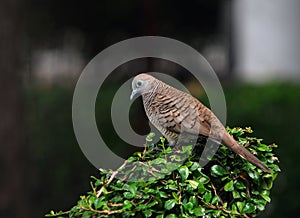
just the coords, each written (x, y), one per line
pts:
(172, 112)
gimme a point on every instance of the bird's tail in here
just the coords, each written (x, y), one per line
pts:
(229, 141)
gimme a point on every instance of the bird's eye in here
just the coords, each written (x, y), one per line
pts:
(139, 83)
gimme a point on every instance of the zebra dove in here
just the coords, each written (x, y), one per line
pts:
(172, 112)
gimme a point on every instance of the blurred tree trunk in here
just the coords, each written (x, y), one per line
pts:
(13, 198)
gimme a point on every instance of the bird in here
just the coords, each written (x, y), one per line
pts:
(173, 112)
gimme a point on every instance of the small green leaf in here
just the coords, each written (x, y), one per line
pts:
(98, 203)
(188, 163)
(263, 147)
(176, 197)
(239, 185)
(265, 195)
(86, 214)
(217, 170)
(145, 196)
(171, 166)
(168, 150)
(151, 204)
(249, 208)
(204, 179)
(236, 194)
(139, 154)
(172, 215)
(184, 172)
(126, 205)
(193, 183)
(260, 203)
(163, 194)
(260, 207)
(158, 161)
(198, 211)
(207, 196)
(150, 137)
(215, 199)
(132, 159)
(229, 186)
(142, 207)
(169, 204)
(240, 205)
(249, 130)
(201, 188)
(133, 188)
(172, 187)
(234, 209)
(128, 195)
(147, 213)
(187, 148)
(188, 205)
(243, 194)
(176, 157)
(193, 200)
(254, 176)
(194, 166)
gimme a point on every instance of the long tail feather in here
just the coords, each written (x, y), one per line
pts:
(229, 141)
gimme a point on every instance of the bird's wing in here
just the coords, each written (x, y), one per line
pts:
(182, 114)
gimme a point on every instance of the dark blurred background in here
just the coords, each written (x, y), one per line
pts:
(253, 46)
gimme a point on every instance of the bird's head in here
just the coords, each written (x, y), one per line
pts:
(142, 84)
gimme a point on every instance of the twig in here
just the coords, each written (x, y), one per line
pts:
(93, 187)
(246, 216)
(115, 205)
(110, 179)
(218, 207)
(109, 212)
(215, 191)
(214, 207)
(149, 171)
(145, 150)
(149, 200)
(147, 165)
(142, 163)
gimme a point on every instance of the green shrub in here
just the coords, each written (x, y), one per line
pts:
(227, 186)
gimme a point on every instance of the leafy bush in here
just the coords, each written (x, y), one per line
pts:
(227, 186)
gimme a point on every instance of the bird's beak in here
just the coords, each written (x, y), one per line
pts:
(132, 94)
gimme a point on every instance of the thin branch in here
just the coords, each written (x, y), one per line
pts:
(149, 171)
(213, 207)
(115, 205)
(93, 187)
(215, 191)
(108, 212)
(145, 150)
(142, 163)
(113, 175)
